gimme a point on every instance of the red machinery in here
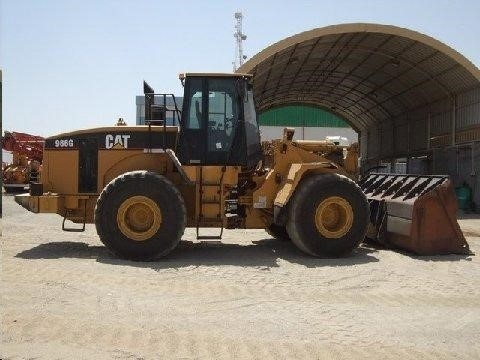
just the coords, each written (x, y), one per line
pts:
(27, 153)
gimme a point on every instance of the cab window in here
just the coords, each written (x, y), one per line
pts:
(222, 114)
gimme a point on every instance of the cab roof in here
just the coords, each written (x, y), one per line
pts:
(184, 75)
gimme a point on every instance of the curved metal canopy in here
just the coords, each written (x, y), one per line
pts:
(365, 73)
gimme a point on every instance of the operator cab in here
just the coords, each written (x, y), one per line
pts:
(218, 123)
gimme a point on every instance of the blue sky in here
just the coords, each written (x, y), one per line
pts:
(78, 64)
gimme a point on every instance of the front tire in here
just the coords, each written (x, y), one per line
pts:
(328, 215)
(140, 215)
(278, 232)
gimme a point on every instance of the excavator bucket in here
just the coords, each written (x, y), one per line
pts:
(416, 213)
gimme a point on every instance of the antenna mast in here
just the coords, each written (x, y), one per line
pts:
(240, 37)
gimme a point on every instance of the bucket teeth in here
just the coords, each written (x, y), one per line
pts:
(414, 212)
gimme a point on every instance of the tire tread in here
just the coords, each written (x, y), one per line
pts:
(105, 233)
(303, 191)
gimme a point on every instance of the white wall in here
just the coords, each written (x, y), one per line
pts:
(308, 133)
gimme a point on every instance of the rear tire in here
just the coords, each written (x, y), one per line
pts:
(328, 215)
(140, 215)
(278, 232)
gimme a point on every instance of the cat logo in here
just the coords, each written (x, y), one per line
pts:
(116, 142)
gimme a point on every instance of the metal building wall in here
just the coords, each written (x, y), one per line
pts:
(364, 150)
(418, 137)
(440, 138)
(401, 135)
(387, 146)
(441, 117)
(462, 163)
(373, 143)
(468, 109)
(428, 127)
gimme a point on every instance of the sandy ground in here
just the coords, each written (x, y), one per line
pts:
(64, 296)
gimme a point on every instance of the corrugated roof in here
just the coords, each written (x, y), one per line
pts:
(364, 73)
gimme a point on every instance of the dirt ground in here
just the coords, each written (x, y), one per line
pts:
(63, 296)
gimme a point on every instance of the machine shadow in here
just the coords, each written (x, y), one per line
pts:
(64, 249)
(12, 194)
(262, 253)
(468, 216)
(435, 258)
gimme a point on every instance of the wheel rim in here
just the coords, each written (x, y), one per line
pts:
(139, 218)
(334, 217)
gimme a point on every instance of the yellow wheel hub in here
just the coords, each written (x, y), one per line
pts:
(334, 217)
(139, 218)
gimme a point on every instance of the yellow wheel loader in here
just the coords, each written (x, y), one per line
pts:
(202, 167)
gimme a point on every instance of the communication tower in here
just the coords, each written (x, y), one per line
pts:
(240, 37)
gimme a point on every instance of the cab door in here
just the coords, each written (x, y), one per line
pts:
(192, 141)
(210, 118)
(222, 122)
